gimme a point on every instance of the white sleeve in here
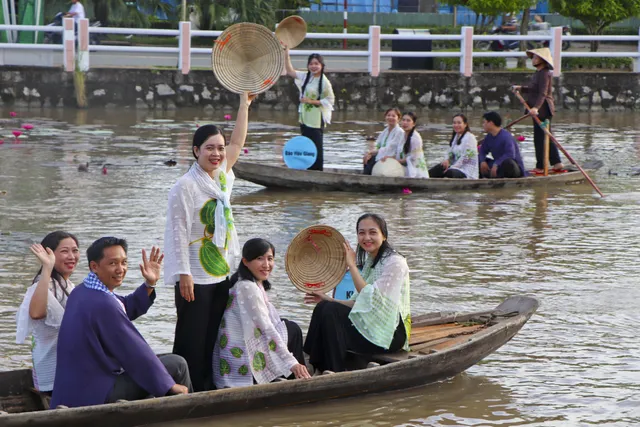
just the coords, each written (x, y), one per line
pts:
(25, 324)
(177, 231)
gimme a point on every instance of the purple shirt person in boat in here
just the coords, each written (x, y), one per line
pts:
(102, 357)
(507, 162)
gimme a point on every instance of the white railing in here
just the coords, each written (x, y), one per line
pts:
(374, 53)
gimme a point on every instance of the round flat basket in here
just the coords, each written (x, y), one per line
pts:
(390, 168)
(291, 31)
(315, 259)
(247, 57)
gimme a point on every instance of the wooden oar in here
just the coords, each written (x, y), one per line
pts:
(555, 141)
(509, 125)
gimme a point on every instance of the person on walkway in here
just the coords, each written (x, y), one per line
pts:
(253, 343)
(316, 101)
(201, 243)
(42, 308)
(462, 156)
(540, 99)
(411, 153)
(377, 318)
(387, 143)
(102, 357)
(506, 162)
(76, 12)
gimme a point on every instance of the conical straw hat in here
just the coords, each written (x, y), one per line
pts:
(544, 53)
(315, 259)
(291, 31)
(390, 168)
(247, 57)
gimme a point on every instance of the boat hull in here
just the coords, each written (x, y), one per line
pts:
(403, 374)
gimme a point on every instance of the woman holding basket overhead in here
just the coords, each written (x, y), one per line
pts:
(316, 101)
(377, 318)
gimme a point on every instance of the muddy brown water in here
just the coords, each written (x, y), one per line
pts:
(577, 361)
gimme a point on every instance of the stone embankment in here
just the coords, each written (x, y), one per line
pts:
(168, 89)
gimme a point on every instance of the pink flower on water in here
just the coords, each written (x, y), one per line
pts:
(406, 191)
(17, 133)
(1, 141)
(227, 116)
(104, 170)
(246, 151)
(521, 138)
(13, 114)
(27, 126)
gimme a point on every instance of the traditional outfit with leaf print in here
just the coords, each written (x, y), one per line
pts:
(463, 159)
(313, 118)
(416, 164)
(201, 241)
(387, 145)
(44, 331)
(378, 322)
(253, 342)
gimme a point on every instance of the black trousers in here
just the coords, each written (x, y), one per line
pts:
(126, 388)
(368, 168)
(317, 136)
(538, 140)
(197, 329)
(508, 169)
(331, 334)
(438, 172)
(294, 342)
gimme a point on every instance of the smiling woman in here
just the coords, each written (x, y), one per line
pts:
(41, 311)
(201, 242)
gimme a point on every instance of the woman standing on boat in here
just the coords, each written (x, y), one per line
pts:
(411, 154)
(377, 318)
(253, 342)
(41, 311)
(201, 242)
(540, 99)
(462, 157)
(316, 101)
(387, 142)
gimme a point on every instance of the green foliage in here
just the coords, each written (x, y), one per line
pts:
(572, 64)
(492, 7)
(453, 64)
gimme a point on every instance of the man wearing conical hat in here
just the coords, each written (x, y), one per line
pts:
(540, 99)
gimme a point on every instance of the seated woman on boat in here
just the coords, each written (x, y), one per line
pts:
(388, 141)
(253, 343)
(462, 157)
(411, 154)
(41, 311)
(377, 318)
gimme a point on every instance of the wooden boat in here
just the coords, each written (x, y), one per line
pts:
(342, 179)
(443, 344)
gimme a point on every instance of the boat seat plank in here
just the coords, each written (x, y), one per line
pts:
(430, 336)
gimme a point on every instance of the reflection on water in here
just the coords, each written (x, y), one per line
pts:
(577, 361)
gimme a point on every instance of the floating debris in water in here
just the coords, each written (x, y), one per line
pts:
(170, 162)
(84, 167)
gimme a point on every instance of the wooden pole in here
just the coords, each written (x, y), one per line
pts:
(555, 141)
(546, 149)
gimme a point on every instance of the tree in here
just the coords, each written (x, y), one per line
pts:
(597, 15)
(493, 8)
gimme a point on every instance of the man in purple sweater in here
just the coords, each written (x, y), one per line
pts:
(101, 355)
(507, 162)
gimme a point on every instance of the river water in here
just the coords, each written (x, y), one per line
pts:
(576, 362)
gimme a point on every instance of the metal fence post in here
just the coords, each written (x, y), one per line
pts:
(69, 48)
(556, 50)
(83, 45)
(184, 44)
(374, 50)
(636, 62)
(466, 51)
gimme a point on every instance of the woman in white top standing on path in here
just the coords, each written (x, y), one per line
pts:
(41, 311)
(201, 243)
(316, 101)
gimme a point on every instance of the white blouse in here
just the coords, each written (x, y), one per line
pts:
(388, 142)
(464, 156)
(44, 331)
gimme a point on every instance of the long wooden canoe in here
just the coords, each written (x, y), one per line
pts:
(334, 179)
(443, 344)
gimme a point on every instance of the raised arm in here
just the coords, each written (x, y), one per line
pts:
(291, 72)
(38, 304)
(239, 134)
